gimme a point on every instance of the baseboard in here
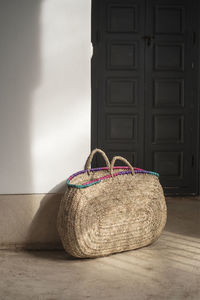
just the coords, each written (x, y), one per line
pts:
(29, 221)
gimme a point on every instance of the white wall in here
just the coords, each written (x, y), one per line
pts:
(44, 92)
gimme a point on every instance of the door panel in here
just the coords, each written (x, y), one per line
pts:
(122, 17)
(144, 103)
(168, 93)
(169, 18)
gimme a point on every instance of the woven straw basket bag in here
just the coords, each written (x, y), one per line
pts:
(110, 209)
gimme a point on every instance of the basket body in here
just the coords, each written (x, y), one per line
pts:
(118, 214)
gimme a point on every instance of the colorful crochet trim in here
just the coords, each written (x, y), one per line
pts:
(92, 182)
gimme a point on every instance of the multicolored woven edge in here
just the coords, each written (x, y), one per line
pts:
(95, 181)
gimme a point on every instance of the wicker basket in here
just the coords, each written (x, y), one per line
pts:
(111, 209)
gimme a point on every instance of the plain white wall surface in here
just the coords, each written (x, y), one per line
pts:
(45, 96)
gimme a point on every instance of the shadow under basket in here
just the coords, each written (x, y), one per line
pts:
(110, 209)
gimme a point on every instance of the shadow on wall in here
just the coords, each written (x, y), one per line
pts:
(42, 233)
(19, 77)
(20, 74)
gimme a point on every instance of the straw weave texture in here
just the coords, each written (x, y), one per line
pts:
(118, 214)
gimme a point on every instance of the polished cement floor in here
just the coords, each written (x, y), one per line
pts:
(168, 269)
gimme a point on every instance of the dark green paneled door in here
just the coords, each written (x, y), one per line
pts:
(144, 86)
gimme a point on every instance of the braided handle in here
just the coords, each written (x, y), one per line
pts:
(122, 159)
(90, 157)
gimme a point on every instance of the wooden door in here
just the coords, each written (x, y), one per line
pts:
(144, 72)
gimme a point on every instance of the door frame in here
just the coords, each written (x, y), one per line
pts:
(95, 36)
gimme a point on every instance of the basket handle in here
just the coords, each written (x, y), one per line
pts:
(90, 157)
(122, 159)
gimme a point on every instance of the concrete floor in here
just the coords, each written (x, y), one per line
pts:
(168, 269)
